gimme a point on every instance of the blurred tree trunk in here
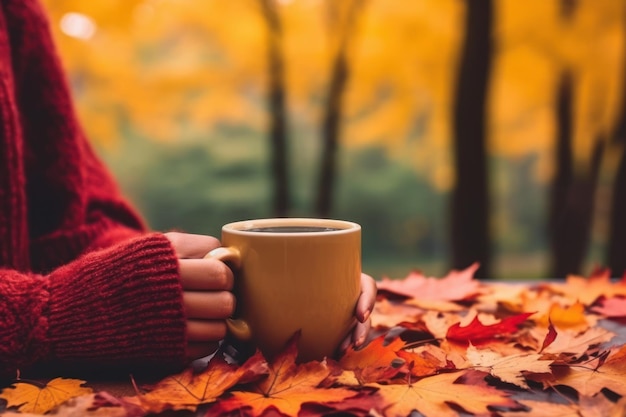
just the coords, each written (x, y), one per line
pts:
(333, 109)
(276, 102)
(470, 197)
(562, 179)
(572, 196)
(573, 193)
(616, 252)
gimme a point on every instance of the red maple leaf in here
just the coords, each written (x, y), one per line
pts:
(614, 307)
(477, 333)
(550, 336)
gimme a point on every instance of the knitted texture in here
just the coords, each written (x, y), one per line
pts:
(81, 279)
(117, 313)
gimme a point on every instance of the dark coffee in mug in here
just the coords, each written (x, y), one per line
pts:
(291, 229)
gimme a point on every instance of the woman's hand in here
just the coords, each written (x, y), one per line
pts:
(207, 296)
(364, 308)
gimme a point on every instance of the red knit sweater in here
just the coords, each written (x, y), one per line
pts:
(81, 280)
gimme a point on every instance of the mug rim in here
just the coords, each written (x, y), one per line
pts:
(242, 227)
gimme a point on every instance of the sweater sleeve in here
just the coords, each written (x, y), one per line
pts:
(82, 280)
(115, 306)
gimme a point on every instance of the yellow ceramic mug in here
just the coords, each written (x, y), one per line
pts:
(293, 274)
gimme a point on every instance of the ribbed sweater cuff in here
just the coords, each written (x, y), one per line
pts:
(119, 305)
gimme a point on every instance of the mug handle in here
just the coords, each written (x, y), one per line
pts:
(238, 327)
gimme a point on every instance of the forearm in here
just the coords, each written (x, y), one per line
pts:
(117, 305)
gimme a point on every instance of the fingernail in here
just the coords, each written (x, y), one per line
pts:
(366, 316)
(360, 341)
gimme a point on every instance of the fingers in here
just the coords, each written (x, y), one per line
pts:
(205, 274)
(360, 332)
(209, 305)
(200, 350)
(190, 246)
(206, 331)
(203, 337)
(357, 336)
(345, 345)
(206, 297)
(365, 305)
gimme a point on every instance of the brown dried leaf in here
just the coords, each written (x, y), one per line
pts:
(590, 378)
(510, 368)
(432, 395)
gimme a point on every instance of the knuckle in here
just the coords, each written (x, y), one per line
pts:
(224, 276)
(228, 303)
(213, 242)
(173, 237)
(221, 329)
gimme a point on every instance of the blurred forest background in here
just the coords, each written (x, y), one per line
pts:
(454, 131)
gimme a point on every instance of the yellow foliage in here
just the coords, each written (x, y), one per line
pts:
(535, 46)
(157, 62)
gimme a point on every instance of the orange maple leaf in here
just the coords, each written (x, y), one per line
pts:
(588, 290)
(457, 285)
(423, 362)
(432, 395)
(286, 388)
(382, 360)
(387, 314)
(39, 399)
(379, 353)
(189, 389)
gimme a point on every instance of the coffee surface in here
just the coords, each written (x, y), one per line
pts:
(292, 229)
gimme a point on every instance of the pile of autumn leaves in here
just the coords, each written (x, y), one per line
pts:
(442, 346)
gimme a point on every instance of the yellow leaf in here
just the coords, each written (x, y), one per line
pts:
(572, 317)
(32, 398)
(562, 317)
